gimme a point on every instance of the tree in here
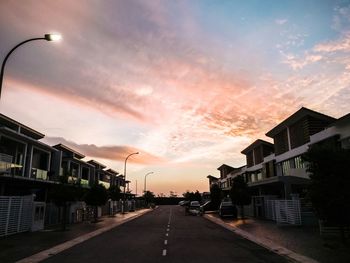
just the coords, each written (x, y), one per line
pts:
(63, 194)
(114, 193)
(329, 169)
(215, 196)
(96, 196)
(149, 197)
(239, 193)
(192, 196)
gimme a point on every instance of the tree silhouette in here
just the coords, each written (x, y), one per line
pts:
(63, 194)
(149, 197)
(239, 193)
(215, 196)
(329, 168)
(96, 196)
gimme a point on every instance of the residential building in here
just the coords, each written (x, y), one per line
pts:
(212, 180)
(100, 176)
(276, 173)
(224, 182)
(74, 167)
(257, 169)
(291, 139)
(27, 165)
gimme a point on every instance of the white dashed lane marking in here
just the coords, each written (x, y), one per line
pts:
(167, 233)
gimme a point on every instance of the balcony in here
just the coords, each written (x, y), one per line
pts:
(7, 167)
(84, 183)
(39, 174)
(105, 184)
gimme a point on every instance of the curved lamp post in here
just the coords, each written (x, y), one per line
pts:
(126, 159)
(145, 181)
(47, 37)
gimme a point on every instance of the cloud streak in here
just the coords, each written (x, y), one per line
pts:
(113, 152)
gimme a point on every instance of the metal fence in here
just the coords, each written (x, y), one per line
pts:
(16, 214)
(283, 211)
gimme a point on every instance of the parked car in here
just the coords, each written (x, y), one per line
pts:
(193, 208)
(207, 206)
(227, 209)
(183, 202)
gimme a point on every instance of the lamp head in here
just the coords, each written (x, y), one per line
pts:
(53, 37)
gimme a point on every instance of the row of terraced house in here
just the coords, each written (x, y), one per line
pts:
(275, 173)
(29, 168)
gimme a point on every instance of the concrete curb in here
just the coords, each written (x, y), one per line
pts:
(68, 244)
(282, 251)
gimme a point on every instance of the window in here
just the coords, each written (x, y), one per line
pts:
(286, 167)
(298, 162)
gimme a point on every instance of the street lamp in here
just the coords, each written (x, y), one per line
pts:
(126, 159)
(47, 37)
(145, 181)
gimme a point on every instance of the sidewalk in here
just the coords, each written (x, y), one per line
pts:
(20, 246)
(294, 242)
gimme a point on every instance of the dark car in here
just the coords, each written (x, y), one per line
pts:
(227, 209)
(207, 206)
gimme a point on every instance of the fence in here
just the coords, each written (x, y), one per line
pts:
(288, 212)
(270, 209)
(283, 211)
(16, 214)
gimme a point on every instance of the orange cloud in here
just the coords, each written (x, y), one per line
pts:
(115, 153)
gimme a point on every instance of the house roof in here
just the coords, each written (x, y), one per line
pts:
(112, 171)
(212, 177)
(12, 124)
(342, 120)
(25, 138)
(225, 165)
(63, 147)
(301, 113)
(95, 163)
(255, 144)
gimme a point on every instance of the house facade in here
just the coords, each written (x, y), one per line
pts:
(72, 165)
(275, 171)
(27, 165)
(29, 168)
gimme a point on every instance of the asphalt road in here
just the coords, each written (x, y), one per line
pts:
(167, 235)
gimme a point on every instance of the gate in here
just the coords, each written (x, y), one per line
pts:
(288, 212)
(16, 214)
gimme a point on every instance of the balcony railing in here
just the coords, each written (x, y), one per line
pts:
(84, 182)
(39, 174)
(7, 167)
(106, 185)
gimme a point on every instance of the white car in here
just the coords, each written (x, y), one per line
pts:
(194, 208)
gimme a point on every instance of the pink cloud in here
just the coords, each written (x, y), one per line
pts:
(113, 152)
(342, 44)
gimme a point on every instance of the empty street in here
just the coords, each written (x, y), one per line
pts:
(167, 235)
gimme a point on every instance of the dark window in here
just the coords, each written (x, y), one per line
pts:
(250, 160)
(281, 142)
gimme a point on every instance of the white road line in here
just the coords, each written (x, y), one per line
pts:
(168, 229)
(164, 252)
(171, 210)
(165, 242)
(167, 234)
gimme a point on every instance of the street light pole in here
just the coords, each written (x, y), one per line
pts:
(144, 191)
(126, 159)
(47, 37)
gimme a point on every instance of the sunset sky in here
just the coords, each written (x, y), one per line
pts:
(189, 84)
